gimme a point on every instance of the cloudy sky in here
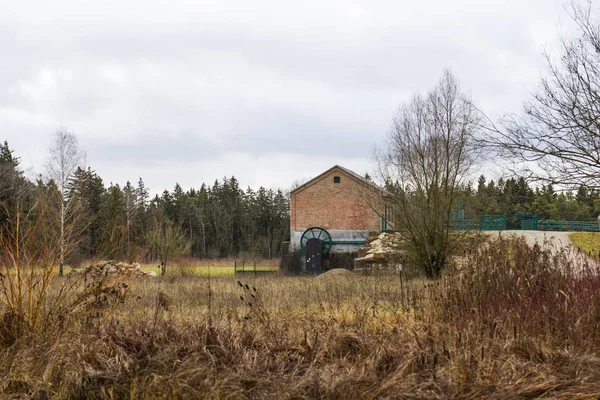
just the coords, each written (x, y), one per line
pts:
(269, 91)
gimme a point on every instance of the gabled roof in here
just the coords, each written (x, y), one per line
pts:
(350, 173)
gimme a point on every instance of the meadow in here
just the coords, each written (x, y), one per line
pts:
(506, 321)
(213, 268)
(588, 242)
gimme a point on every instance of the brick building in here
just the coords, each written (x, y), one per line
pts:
(339, 201)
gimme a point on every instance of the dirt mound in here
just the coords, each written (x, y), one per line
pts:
(108, 269)
(336, 273)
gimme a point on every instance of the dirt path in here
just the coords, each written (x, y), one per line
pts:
(559, 239)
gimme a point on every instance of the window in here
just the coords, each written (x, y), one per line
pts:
(336, 179)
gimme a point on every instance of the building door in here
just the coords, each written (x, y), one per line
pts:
(314, 256)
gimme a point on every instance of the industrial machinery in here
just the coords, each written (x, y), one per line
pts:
(315, 243)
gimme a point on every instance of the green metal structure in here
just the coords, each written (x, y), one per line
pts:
(530, 222)
(463, 225)
(518, 222)
(317, 233)
(387, 219)
(321, 234)
(583, 226)
(503, 222)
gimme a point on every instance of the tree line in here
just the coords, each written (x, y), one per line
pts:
(517, 195)
(93, 220)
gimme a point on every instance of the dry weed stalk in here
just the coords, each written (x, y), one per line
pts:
(30, 252)
(33, 298)
(510, 322)
(257, 310)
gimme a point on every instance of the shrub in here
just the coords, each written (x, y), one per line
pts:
(545, 289)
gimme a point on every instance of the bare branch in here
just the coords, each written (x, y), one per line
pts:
(428, 156)
(65, 158)
(559, 131)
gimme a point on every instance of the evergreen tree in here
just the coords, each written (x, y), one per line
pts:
(15, 189)
(113, 219)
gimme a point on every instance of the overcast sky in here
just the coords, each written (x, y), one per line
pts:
(268, 91)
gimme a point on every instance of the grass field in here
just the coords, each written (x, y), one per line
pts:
(509, 322)
(205, 270)
(206, 267)
(588, 242)
(202, 270)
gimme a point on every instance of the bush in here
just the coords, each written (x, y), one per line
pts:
(545, 289)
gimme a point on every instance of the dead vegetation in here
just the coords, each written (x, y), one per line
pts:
(513, 322)
(111, 270)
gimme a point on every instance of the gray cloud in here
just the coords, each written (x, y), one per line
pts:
(206, 89)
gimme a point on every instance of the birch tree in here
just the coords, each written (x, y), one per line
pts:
(65, 157)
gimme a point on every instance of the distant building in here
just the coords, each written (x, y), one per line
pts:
(339, 201)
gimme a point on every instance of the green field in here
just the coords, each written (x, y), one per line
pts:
(205, 270)
(588, 242)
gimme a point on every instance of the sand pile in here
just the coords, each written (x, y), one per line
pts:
(336, 273)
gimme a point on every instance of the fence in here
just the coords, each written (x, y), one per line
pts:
(584, 226)
(243, 269)
(529, 222)
(491, 222)
(463, 225)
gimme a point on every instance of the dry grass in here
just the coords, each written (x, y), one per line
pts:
(223, 262)
(588, 242)
(185, 267)
(512, 322)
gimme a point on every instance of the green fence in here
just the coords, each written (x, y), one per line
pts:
(586, 226)
(463, 225)
(530, 222)
(519, 222)
(492, 222)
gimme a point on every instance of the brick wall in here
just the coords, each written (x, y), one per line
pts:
(335, 206)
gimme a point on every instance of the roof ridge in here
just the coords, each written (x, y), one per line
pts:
(344, 169)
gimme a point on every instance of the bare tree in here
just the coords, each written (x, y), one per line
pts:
(295, 185)
(557, 139)
(427, 157)
(168, 241)
(65, 158)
